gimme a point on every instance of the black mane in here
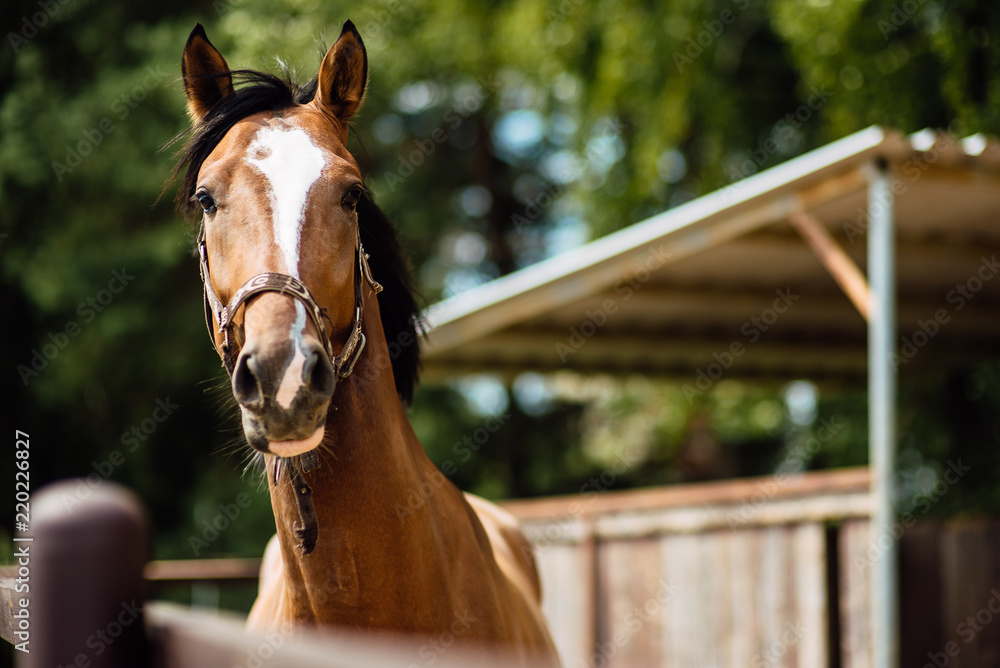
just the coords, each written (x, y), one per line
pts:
(398, 306)
(400, 314)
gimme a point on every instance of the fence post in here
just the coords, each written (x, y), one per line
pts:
(89, 545)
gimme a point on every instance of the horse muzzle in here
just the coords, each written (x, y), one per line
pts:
(284, 392)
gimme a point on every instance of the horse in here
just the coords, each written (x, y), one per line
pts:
(322, 366)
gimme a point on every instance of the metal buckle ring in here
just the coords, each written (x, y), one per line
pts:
(348, 366)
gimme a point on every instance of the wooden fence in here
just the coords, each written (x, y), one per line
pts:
(736, 573)
(755, 572)
(761, 572)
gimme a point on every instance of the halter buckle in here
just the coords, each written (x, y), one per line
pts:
(348, 365)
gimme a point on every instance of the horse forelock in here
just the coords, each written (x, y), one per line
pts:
(255, 92)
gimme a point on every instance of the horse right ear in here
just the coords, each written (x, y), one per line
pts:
(206, 75)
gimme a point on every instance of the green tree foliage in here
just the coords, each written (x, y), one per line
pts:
(495, 135)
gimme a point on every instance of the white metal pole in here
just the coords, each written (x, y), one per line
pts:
(882, 417)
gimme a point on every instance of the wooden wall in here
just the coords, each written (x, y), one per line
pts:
(721, 574)
(762, 573)
(950, 594)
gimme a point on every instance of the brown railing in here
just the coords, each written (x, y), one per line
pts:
(84, 605)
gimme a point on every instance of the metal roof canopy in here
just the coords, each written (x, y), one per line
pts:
(731, 272)
(728, 286)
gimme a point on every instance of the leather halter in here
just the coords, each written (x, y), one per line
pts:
(306, 530)
(343, 364)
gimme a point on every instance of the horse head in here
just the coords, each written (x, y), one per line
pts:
(281, 249)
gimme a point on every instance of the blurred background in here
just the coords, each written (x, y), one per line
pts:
(495, 135)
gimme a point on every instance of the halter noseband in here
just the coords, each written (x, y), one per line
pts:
(343, 364)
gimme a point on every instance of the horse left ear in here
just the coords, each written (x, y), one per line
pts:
(342, 78)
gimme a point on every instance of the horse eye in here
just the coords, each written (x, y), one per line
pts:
(350, 200)
(206, 201)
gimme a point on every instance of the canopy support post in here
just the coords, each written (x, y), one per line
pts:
(882, 417)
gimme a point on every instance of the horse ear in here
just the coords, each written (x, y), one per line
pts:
(206, 75)
(342, 78)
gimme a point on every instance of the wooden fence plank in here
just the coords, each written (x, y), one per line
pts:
(972, 595)
(716, 557)
(920, 606)
(855, 601)
(203, 570)
(736, 491)
(771, 594)
(810, 561)
(632, 596)
(743, 555)
(186, 638)
(561, 570)
(650, 522)
(685, 610)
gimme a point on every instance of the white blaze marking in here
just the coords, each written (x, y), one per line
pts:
(291, 163)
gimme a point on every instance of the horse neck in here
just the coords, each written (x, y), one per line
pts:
(370, 464)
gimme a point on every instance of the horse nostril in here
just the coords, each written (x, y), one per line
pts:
(246, 382)
(317, 372)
